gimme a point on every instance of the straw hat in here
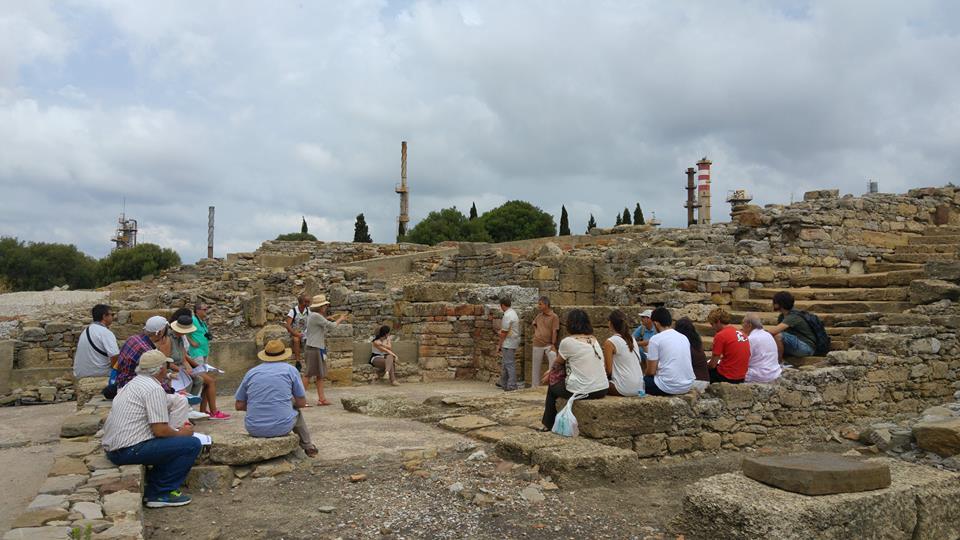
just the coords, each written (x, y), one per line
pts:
(274, 351)
(153, 359)
(318, 301)
(183, 325)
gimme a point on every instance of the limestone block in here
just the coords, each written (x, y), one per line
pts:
(209, 477)
(734, 396)
(39, 518)
(625, 416)
(543, 273)
(814, 235)
(925, 291)
(679, 445)
(883, 240)
(577, 283)
(274, 467)
(432, 292)
(89, 510)
(710, 441)
(817, 473)
(79, 425)
(38, 533)
(948, 271)
(44, 500)
(650, 445)
(743, 439)
(821, 194)
(912, 507)
(939, 436)
(713, 276)
(32, 357)
(254, 310)
(242, 449)
(463, 424)
(67, 465)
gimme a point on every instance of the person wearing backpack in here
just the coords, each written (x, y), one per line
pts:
(793, 333)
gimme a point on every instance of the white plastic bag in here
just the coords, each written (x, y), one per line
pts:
(566, 423)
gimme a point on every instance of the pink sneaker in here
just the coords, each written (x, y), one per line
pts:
(219, 415)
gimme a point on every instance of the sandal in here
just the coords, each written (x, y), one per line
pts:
(323, 403)
(544, 430)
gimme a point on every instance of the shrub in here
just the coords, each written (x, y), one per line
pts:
(135, 262)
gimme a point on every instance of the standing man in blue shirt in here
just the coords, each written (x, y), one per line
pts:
(273, 394)
(644, 332)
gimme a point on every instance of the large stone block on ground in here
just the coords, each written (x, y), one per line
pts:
(925, 291)
(38, 533)
(939, 436)
(463, 424)
(918, 505)
(571, 461)
(39, 518)
(79, 425)
(624, 416)
(209, 477)
(242, 449)
(385, 406)
(818, 473)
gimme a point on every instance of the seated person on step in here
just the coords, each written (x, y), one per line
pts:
(731, 349)
(382, 356)
(764, 364)
(621, 358)
(793, 335)
(580, 353)
(272, 393)
(669, 369)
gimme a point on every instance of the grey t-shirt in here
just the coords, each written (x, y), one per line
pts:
(269, 390)
(317, 326)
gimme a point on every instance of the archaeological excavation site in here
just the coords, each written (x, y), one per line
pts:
(862, 441)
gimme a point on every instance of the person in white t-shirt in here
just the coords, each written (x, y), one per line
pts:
(582, 357)
(764, 364)
(508, 345)
(89, 361)
(296, 325)
(621, 356)
(669, 368)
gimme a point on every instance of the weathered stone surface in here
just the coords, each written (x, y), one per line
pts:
(388, 406)
(121, 502)
(67, 465)
(463, 424)
(939, 436)
(39, 518)
(90, 510)
(242, 449)
(274, 467)
(48, 501)
(571, 461)
(38, 533)
(624, 416)
(123, 529)
(59, 485)
(948, 271)
(817, 473)
(209, 477)
(497, 433)
(79, 425)
(915, 506)
(925, 291)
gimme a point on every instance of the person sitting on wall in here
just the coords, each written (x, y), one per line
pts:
(621, 358)
(154, 336)
(669, 369)
(96, 356)
(644, 332)
(793, 335)
(203, 383)
(273, 394)
(580, 352)
(382, 356)
(764, 363)
(697, 356)
(147, 426)
(316, 354)
(731, 349)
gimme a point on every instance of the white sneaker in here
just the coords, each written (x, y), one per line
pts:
(197, 415)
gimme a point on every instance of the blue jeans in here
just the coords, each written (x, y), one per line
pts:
(171, 459)
(651, 388)
(794, 346)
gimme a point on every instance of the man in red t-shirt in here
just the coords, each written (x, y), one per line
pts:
(731, 349)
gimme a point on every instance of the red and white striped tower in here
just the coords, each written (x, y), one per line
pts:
(703, 190)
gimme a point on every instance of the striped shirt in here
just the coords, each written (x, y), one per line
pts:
(138, 404)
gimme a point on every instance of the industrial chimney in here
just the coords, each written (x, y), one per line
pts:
(703, 190)
(404, 194)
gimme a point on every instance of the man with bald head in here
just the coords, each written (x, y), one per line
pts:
(764, 366)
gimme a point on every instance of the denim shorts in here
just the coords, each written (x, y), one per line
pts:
(794, 346)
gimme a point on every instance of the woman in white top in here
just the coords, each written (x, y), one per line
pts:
(382, 356)
(580, 354)
(621, 358)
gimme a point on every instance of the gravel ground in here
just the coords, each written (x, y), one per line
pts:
(29, 304)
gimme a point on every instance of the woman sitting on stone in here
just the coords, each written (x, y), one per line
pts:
(621, 358)
(199, 383)
(382, 356)
(697, 355)
(580, 353)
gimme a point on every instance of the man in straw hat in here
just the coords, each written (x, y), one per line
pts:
(317, 325)
(272, 394)
(141, 429)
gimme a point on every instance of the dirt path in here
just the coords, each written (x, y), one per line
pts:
(28, 437)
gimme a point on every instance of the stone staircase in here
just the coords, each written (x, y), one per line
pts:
(848, 304)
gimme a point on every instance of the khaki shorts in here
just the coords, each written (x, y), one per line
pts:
(316, 363)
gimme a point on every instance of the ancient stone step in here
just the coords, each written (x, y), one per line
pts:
(817, 473)
(942, 230)
(929, 248)
(937, 239)
(880, 266)
(805, 361)
(572, 461)
(877, 279)
(829, 306)
(833, 293)
(919, 257)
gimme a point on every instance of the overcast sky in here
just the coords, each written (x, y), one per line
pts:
(275, 110)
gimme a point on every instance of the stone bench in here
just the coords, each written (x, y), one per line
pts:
(571, 461)
(242, 449)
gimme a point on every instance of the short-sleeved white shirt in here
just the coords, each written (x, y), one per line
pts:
(511, 323)
(88, 362)
(627, 377)
(764, 366)
(671, 350)
(299, 319)
(141, 402)
(585, 370)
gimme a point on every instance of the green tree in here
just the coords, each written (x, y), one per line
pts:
(592, 224)
(303, 226)
(564, 222)
(619, 220)
(447, 224)
(518, 220)
(135, 262)
(637, 215)
(360, 231)
(297, 237)
(626, 217)
(473, 211)
(37, 266)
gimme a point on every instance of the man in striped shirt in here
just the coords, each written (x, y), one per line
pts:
(140, 430)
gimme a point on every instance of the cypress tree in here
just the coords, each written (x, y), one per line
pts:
(303, 226)
(626, 217)
(360, 231)
(619, 220)
(637, 215)
(564, 222)
(473, 211)
(592, 224)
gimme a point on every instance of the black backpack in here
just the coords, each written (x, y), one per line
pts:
(821, 345)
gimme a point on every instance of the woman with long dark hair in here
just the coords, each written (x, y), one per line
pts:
(382, 356)
(697, 357)
(621, 358)
(580, 353)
